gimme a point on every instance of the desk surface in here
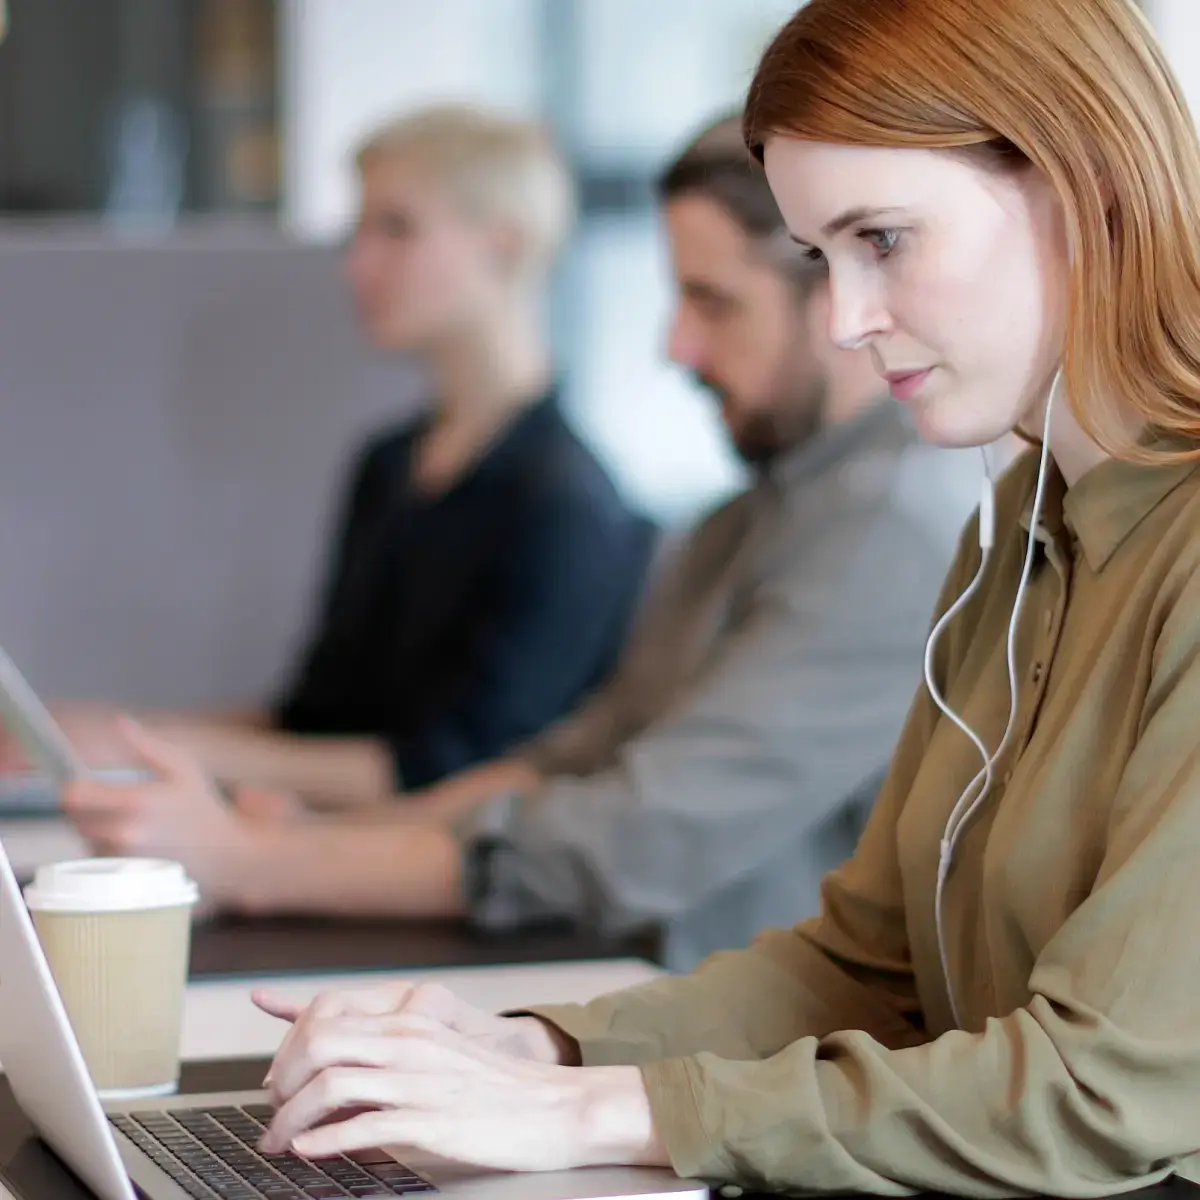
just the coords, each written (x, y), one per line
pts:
(220, 1022)
(33, 1173)
(229, 946)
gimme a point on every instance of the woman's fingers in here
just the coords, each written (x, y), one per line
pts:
(339, 1089)
(369, 1131)
(430, 1001)
(396, 1042)
(379, 1000)
(277, 1005)
(162, 756)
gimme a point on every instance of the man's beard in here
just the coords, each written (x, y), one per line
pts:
(793, 416)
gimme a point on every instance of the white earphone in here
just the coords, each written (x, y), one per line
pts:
(976, 791)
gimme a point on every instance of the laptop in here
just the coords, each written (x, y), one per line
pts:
(202, 1147)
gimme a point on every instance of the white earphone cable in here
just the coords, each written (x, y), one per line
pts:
(977, 790)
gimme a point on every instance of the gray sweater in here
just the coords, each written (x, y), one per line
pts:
(731, 760)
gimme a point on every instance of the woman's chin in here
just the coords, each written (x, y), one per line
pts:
(952, 430)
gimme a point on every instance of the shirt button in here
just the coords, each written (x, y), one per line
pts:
(1037, 672)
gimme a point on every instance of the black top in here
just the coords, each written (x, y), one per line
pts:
(457, 626)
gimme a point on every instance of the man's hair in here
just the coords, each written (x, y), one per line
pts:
(495, 167)
(715, 164)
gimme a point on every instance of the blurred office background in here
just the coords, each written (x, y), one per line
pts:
(180, 382)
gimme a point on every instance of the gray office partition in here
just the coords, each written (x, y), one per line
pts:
(174, 418)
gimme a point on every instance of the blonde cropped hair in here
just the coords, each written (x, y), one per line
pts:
(496, 168)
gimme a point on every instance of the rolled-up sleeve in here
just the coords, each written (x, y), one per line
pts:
(796, 710)
(747, 1005)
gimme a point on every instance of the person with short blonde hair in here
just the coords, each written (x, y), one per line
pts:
(493, 167)
(486, 566)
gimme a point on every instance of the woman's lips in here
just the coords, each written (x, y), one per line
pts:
(904, 385)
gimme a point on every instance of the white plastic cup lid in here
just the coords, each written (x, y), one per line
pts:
(110, 885)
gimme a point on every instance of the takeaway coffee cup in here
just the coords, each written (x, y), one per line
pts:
(116, 933)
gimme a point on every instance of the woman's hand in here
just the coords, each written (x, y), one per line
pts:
(416, 1067)
(520, 1037)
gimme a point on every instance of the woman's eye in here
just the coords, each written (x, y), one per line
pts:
(884, 240)
(813, 255)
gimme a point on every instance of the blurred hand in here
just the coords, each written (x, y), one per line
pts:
(91, 729)
(268, 805)
(13, 759)
(416, 1067)
(177, 815)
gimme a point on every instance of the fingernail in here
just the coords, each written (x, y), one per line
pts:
(267, 1080)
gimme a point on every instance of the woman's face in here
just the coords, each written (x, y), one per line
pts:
(953, 276)
(419, 269)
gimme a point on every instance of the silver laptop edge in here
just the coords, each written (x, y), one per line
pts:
(41, 1057)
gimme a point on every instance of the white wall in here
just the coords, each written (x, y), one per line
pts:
(660, 433)
(1177, 23)
(654, 70)
(348, 64)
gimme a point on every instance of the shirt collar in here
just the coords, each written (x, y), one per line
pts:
(1105, 506)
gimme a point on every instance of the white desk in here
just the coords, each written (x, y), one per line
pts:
(220, 1022)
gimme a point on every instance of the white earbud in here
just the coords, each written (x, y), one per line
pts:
(987, 507)
(976, 791)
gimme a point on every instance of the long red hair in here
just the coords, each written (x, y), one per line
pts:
(1081, 90)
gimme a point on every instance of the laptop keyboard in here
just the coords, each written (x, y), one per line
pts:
(210, 1152)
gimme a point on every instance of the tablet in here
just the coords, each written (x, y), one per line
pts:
(31, 795)
(28, 720)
